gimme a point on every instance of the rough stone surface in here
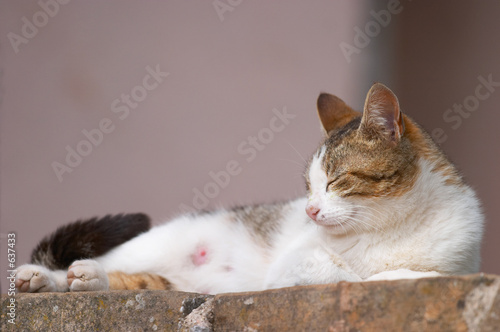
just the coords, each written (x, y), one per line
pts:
(100, 311)
(468, 303)
(200, 319)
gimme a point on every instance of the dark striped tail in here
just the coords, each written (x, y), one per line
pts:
(88, 239)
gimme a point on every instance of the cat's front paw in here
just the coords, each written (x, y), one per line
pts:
(87, 275)
(402, 274)
(32, 278)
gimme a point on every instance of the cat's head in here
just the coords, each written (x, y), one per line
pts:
(365, 160)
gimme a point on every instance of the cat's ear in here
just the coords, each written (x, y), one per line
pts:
(333, 112)
(382, 116)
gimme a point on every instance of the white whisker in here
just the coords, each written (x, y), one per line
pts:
(301, 157)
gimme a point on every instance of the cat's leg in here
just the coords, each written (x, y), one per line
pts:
(83, 275)
(32, 278)
(402, 274)
(315, 267)
(120, 280)
(308, 262)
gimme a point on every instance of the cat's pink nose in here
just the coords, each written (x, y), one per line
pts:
(312, 211)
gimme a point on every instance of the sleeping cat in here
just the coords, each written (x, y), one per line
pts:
(382, 202)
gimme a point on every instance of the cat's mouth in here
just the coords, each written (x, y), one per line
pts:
(331, 222)
(338, 223)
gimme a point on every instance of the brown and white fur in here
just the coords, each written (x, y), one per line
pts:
(383, 203)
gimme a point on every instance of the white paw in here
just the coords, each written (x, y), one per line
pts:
(34, 279)
(402, 274)
(87, 275)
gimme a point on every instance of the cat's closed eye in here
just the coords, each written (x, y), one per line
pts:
(374, 177)
(340, 183)
(356, 183)
(331, 184)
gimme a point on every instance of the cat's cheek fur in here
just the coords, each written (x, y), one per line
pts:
(336, 213)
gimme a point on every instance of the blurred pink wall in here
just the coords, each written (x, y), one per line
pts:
(444, 51)
(225, 77)
(228, 75)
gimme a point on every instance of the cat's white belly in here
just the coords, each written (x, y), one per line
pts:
(207, 254)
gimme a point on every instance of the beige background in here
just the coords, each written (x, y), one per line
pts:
(226, 75)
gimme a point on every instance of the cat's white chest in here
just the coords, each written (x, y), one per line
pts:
(367, 256)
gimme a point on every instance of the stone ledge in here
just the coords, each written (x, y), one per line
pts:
(466, 303)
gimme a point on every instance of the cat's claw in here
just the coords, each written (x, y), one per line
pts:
(34, 279)
(87, 275)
